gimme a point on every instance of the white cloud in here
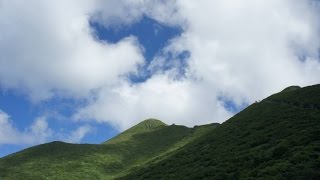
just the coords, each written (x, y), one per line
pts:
(116, 13)
(77, 135)
(243, 50)
(39, 130)
(37, 133)
(173, 101)
(48, 48)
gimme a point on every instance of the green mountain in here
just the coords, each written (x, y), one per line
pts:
(277, 138)
(148, 140)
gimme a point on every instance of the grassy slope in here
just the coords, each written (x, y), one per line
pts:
(146, 141)
(143, 127)
(277, 138)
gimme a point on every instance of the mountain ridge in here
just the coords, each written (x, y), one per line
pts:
(149, 140)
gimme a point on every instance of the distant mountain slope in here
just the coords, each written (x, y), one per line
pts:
(277, 138)
(150, 139)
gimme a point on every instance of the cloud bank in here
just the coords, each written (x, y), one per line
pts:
(52, 50)
(38, 132)
(240, 51)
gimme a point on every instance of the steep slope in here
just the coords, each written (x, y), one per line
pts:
(277, 138)
(150, 139)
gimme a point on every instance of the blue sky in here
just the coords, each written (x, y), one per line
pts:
(83, 72)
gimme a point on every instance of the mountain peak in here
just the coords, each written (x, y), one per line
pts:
(150, 124)
(143, 127)
(291, 88)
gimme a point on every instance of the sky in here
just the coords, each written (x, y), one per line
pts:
(81, 71)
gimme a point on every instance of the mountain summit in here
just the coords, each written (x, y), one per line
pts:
(145, 126)
(150, 124)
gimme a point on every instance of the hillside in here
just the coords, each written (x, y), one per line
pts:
(150, 139)
(277, 138)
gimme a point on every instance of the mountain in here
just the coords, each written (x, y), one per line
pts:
(276, 138)
(148, 140)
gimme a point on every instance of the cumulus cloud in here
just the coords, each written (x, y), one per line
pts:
(245, 49)
(241, 51)
(77, 135)
(48, 48)
(173, 101)
(38, 132)
(116, 13)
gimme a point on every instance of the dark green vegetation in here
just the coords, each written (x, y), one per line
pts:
(277, 138)
(149, 140)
